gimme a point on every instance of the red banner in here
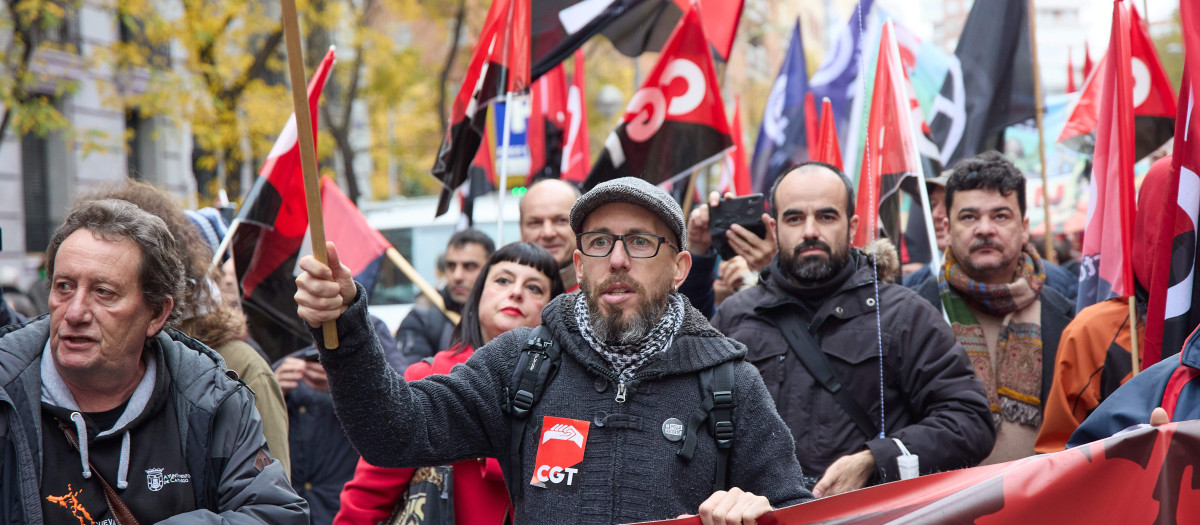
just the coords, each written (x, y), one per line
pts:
(1144, 476)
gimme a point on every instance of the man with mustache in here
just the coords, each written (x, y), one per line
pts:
(993, 289)
(545, 221)
(617, 442)
(426, 329)
(829, 385)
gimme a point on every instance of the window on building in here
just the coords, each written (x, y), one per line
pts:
(65, 34)
(35, 177)
(140, 146)
(132, 30)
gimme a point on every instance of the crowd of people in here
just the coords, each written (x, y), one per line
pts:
(609, 367)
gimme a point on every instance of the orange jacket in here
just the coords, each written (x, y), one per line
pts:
(1093, 360)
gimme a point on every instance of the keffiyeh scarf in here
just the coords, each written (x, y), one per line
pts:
(626, 359)
(1014, 385)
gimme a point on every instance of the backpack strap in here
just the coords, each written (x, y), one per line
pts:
(536, 367)
(716, 388)
(801, 342)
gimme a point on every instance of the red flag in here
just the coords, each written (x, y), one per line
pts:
(1173, 312)
(1153, 97)
(810, 121)
(577, 155)
(499, 65)
(828, 150)
(1087, 61)
(735, 177)
(360, 247)
(274, 219)
(676, 121)
(891, 152)
(547, 125)
(1106, 269)
(1070, 73)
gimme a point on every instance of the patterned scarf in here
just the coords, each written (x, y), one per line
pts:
(626, 359)
(1015, 383)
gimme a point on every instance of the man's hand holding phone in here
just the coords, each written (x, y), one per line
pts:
(735, 226)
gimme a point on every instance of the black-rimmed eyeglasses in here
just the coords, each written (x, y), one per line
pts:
(637, 245)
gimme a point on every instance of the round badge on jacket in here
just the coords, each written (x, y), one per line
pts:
(673, 429)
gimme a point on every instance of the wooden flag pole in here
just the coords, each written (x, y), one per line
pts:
(224, 246)
(308, 153)
(691, 189)
(1040, 109)
(1133, 336)
(434, 297)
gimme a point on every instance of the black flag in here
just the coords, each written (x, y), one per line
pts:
(993, 89)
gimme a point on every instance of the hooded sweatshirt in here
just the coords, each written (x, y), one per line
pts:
(145, 434)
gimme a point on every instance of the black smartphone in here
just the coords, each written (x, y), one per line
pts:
(745, 211)
(312, 354)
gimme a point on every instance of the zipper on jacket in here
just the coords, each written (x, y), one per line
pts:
(621, 392)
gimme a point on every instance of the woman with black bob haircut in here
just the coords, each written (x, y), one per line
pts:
(479, 324)
(518, 281)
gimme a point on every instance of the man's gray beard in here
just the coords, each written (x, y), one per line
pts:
(612, 329)
(615, 331)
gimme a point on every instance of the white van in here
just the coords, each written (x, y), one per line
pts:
(409, 224)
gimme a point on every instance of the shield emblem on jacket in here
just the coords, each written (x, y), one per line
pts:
(154, 479)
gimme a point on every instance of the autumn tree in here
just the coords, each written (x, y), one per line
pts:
(29, 29)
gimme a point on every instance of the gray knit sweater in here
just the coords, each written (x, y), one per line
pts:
(630, 472)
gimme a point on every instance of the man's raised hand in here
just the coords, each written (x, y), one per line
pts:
(323, 294)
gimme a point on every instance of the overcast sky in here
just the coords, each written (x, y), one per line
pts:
(1096, 15)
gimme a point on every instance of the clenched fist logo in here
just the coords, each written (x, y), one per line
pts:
(564, 432)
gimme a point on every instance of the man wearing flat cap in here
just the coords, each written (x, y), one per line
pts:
(648, 412)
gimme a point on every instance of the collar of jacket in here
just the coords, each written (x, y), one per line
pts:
(185, 359)
(854, 298)
(697, 345)
(1190, 355)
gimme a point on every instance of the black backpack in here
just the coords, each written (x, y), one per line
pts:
(538, 365)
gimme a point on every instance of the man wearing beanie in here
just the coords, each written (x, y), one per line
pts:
(623, 430)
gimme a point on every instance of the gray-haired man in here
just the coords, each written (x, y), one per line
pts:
(609, 440)
(105, 414)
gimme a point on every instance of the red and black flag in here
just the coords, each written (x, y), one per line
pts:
(272, 225)
(995, 89)
(633, 26)
(577, 152)
(548, 122)
(1153, 97)
(1174, 311)
(676, 122)
(499, 65)
(1106, 270)
(360, 247)
(892, 161)
(481, 179)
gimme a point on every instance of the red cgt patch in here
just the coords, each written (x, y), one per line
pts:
(560, 448)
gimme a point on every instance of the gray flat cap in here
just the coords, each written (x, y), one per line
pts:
(634, 191)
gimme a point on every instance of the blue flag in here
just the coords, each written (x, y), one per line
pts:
(837, 78)
(782, 140)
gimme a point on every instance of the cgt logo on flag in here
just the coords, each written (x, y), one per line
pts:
(560, 449)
